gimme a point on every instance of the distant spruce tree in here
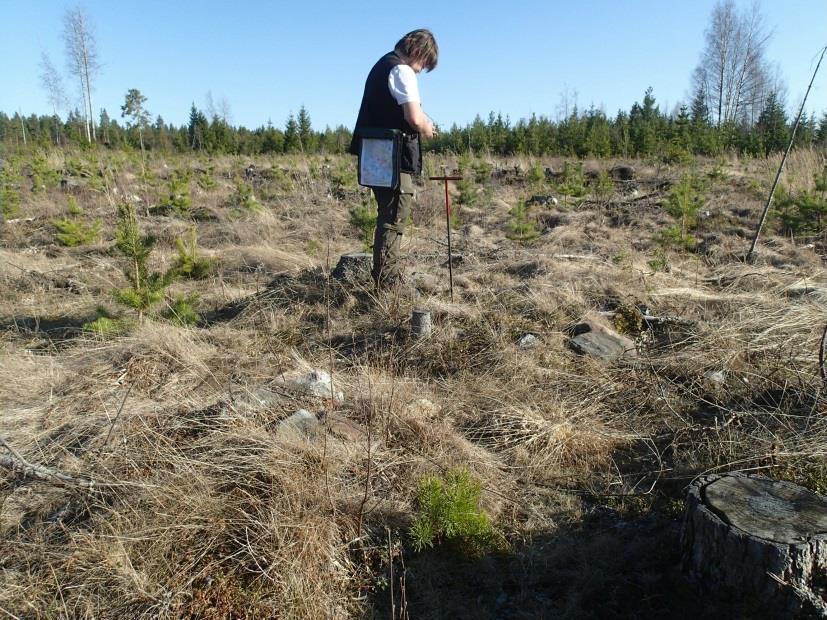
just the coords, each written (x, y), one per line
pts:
(306, 134)
(219, 136)
(821, 132)
(680, 143)
(772, 125)
(104, 123)
(805, 135)
(197, 128)
(699, 114)
(644, 125)
(292, 138)
(598, 134)
(703, 136)
(272, 139)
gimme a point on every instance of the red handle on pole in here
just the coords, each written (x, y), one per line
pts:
(448, 226)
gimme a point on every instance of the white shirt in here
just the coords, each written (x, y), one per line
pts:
(403, 85)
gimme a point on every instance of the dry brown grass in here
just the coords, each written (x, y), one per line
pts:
(203, 507)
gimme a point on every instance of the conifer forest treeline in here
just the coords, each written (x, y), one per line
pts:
(643, 131)
(737, 105)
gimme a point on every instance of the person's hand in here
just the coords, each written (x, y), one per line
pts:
(432, 129)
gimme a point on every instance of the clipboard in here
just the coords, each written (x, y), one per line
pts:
(380, 154)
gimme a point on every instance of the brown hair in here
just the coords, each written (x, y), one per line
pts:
(419, 45)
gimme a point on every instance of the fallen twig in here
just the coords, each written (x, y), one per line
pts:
(115, 420)
(18, 464)
(577, 257)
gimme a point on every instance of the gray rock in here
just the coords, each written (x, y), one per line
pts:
(715, 376)
(354, 267)
(344, 429)
(251, 401)
(592, 338)
(529, 341)
(300, 424)
(317, 383)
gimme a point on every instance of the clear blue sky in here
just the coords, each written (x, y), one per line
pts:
(267, 58)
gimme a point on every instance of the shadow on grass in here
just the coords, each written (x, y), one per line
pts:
(54, 330)
(606, 567)
(287, 291)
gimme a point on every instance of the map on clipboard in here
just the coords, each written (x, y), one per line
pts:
(379, 156)
(377, 163)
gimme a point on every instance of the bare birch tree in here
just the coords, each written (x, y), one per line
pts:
(53, 85)
(82, 58)
(733, 69)
(225, 111)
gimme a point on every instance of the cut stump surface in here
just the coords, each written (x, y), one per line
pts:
(779, 511)
(758, 540)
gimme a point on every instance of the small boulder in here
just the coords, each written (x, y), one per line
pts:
(317, 383)
(715, 376)
(344, 429)
(591, 337)
(529, 341)
(300, 424)
(252, 401)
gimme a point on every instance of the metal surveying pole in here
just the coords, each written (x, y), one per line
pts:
(445, 178)
(766, 210)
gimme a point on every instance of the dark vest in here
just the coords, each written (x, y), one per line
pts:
(380, 110)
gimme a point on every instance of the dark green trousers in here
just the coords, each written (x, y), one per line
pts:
(394, 209)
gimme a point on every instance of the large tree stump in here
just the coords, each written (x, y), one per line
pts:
(354, 267)
(758, 539)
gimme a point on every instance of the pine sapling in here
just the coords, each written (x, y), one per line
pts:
(684, 202)
(182, 310)
(520, 227)
(190, 263)
(179, 199)
(72, 232)
(449, 511)
(145, 289)
(363, 219)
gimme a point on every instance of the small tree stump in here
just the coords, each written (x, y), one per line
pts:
(355, 267)
(421, 324)
(758, 539)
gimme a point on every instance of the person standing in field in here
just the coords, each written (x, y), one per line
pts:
(391, 101)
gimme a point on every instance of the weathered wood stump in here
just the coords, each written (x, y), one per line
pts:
(758, 539)
(355, 267)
